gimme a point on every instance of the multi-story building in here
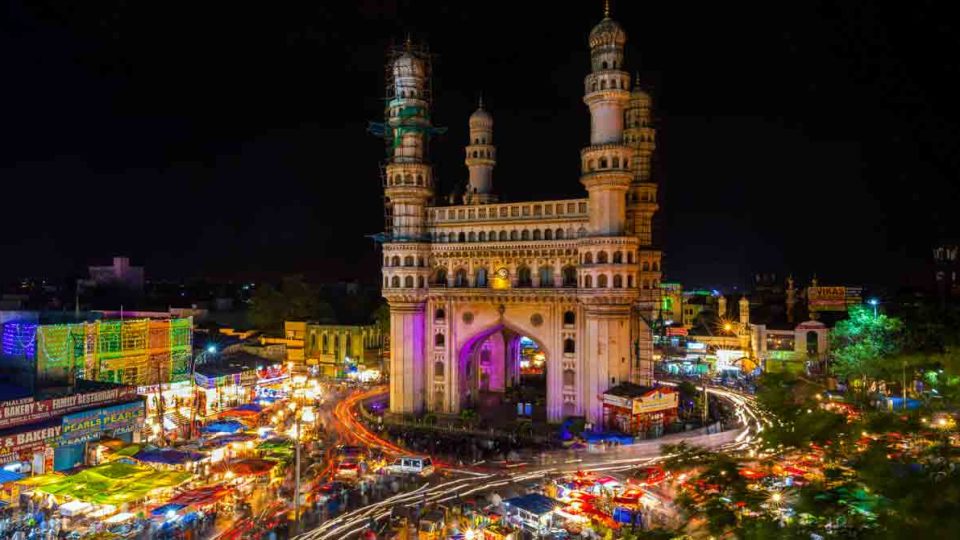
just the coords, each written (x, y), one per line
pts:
(465, 282)
(334, 348)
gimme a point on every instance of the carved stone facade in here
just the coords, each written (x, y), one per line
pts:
(578, 277)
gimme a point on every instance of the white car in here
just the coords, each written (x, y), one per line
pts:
(422, 466)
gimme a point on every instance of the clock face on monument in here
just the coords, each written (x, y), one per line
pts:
(503, 273)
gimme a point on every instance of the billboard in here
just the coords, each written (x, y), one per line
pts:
(28, 410)
(827, 298)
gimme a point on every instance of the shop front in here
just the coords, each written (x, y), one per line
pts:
(224, 388)
(639, 410)
(121, 422)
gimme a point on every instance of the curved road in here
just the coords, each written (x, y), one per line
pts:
(743, 438)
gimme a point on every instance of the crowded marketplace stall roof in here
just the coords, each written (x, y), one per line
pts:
(113, 483)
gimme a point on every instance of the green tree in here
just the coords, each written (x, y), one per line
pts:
(864, 343)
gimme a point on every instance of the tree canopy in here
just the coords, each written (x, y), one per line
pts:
(294, 300)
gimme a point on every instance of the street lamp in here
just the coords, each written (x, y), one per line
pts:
(874, 302)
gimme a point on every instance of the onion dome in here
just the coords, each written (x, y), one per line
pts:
(408, 65)
(607, 33)
(481, 118)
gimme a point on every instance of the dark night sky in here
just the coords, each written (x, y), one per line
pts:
(228, 138)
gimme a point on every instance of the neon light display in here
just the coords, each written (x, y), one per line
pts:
(135, 351)
(19, 339)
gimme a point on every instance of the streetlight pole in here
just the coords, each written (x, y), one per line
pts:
(873, 302)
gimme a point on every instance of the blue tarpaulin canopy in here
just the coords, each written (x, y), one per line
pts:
(162, 510)
(224, 426)
(8, 476)
(168, 456)
(252, 407)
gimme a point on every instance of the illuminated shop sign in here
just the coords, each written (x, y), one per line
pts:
(88, 423)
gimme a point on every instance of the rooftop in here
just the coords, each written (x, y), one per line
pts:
(534, 503)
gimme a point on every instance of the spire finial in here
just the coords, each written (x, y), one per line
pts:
(606, 8)
(480, 101)
(409, 42)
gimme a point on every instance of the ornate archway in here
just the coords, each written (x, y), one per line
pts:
(489, 366)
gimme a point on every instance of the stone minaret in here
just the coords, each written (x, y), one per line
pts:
(481, 158)
(791, 299)
(744, 311)
(408, 190)
(640, 136)
(609, 293)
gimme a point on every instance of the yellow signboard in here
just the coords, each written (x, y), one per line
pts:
(660, 401)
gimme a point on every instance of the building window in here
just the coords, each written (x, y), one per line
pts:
(587, 281)
(602, 281)
(325, 344)
(440, 277)
(525, 234)
(569, 276)
(569, 347)
(645, 266)
(548, 234)
(618, 281)
(460, 278)
(439, 315)
(395, 261)
(546, 276)
(408, 260)
(482, 237)
(569, 318)
(524, 278)
(569, 377)
(438, 340)
(461, 237)
(395, 282)
(408, 282)
(629, 257)
(617, 257)
(420, 282)
(481, 277)
(503, 236)
(336, 345)
(537, 235)
(438, 369)
(513, 235)
(588, 258)
(629, 282)
(602, 257)
(472, 237)
(559, 234)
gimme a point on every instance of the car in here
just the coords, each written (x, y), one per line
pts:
(418, 465)
(350, 468)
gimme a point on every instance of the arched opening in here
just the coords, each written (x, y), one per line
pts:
(481, 279)
(439, 315)
(569, 276)
(395, 282)
(569, 318)
(438, 369)
(537, 235)
(558, 234)
(502, 236)
(513, 235)
(617, 257)
(439, 277)
(460, 278)
(587, 281)
(472, 237)
(395, 261)
(439, 340)
(588, 258)
(546, 276)
(813, 343)
(502, 375)
(524, 277)
(602, 281)
(325, 344)
(461, 237)
(408, 260)
(617, 281)
(525, 235)
(419, 282)
(408, 282)
(601, 257)
(482, 236)
(569, 346)
(548, 234)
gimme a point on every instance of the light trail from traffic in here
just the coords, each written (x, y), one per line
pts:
(752, 419)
